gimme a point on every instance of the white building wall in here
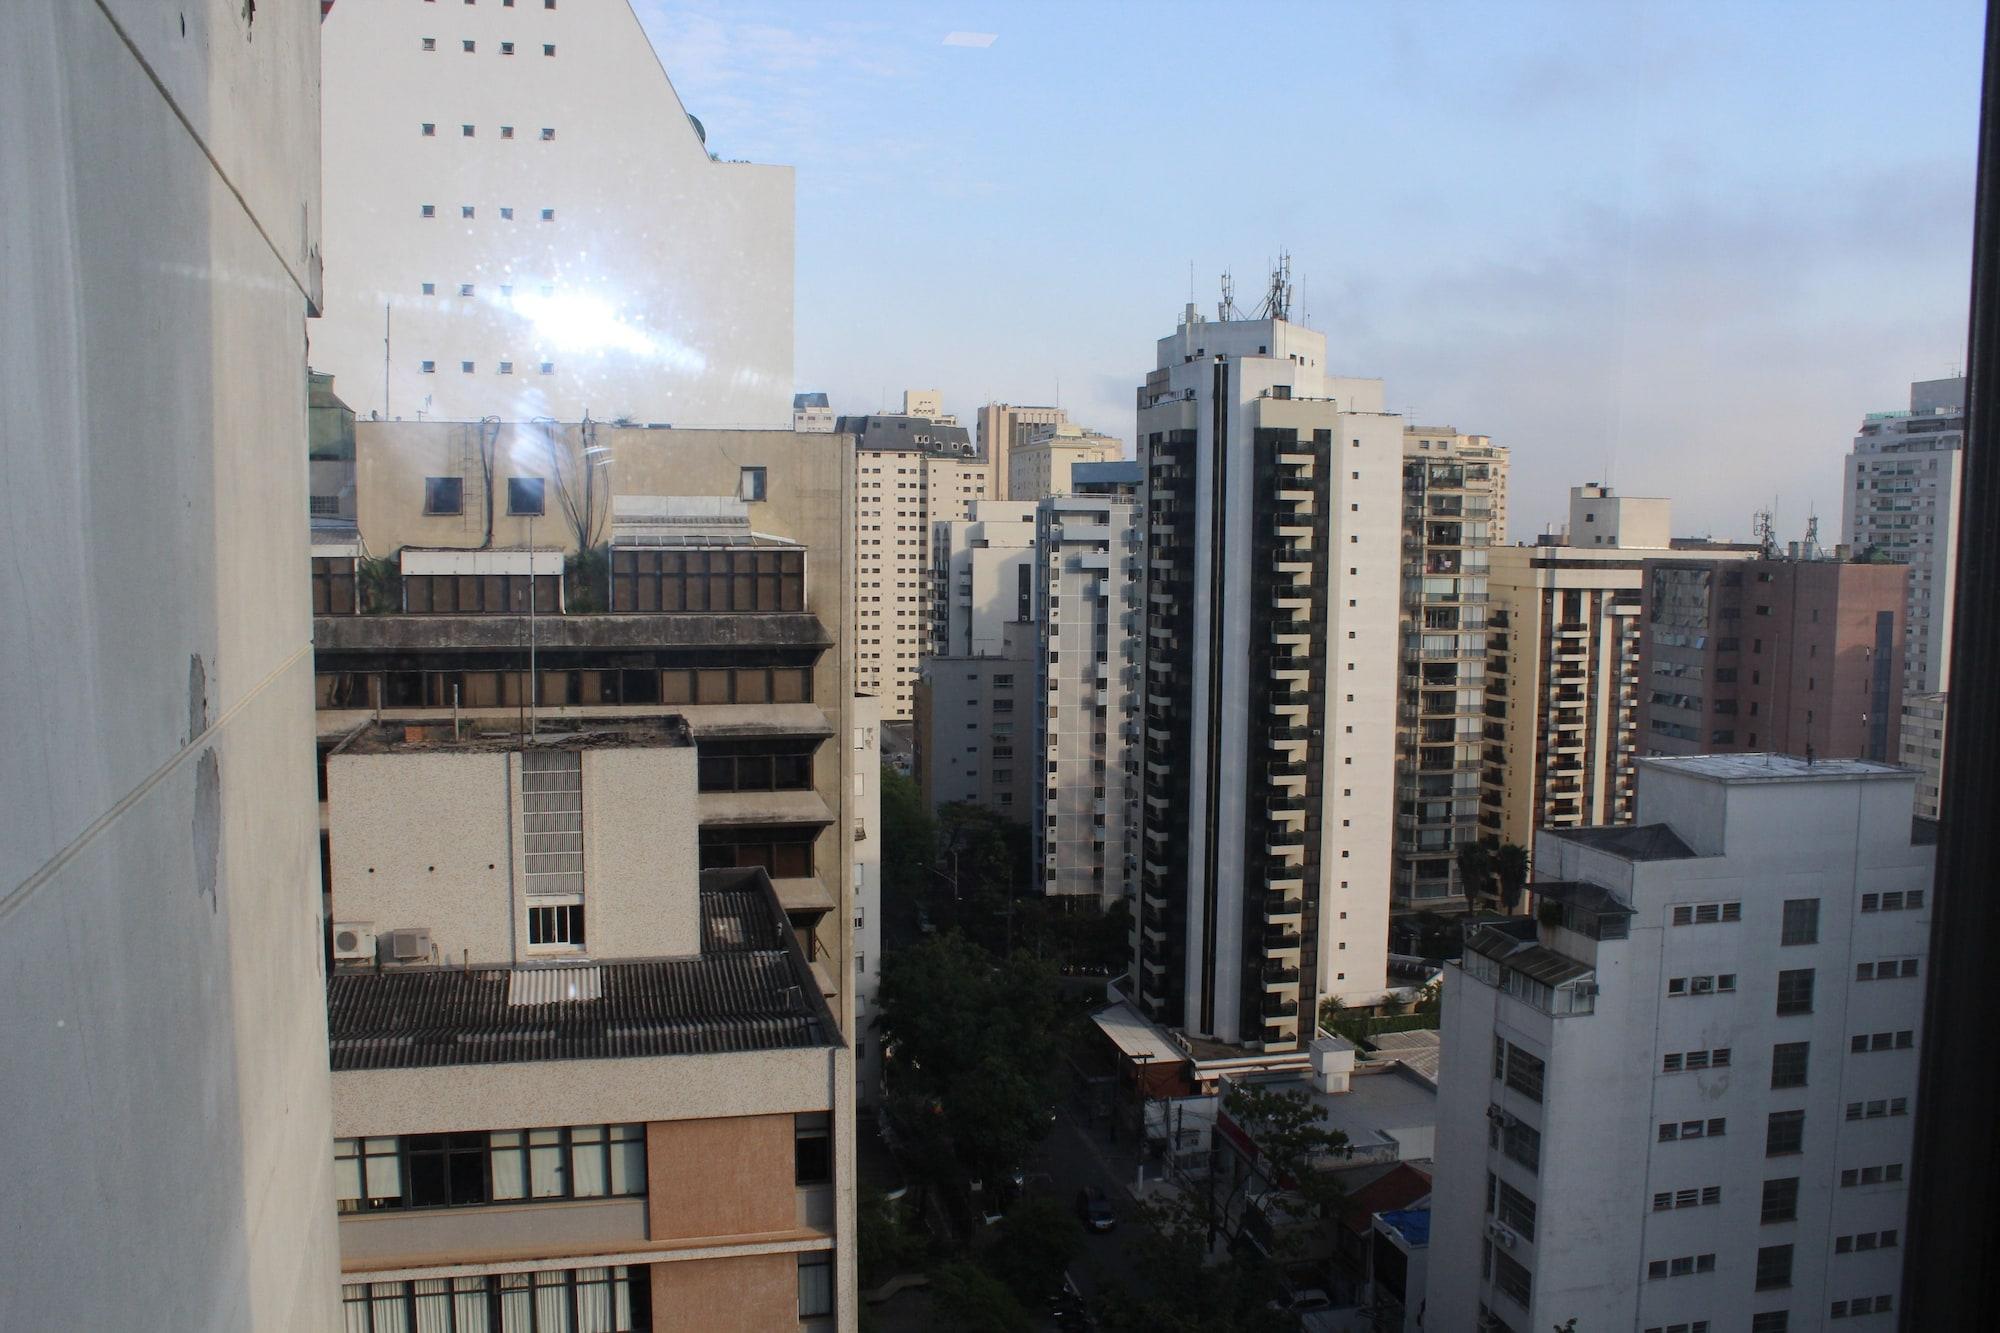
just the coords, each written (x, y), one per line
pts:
(659, 288)
(900, 495)
(982, 566)
(1833, 833)
(866, 751)
(1087, 844)
(165, 1083)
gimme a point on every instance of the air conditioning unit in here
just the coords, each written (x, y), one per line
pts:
(1501, 1236)
(1702, 985)
(353, 941)
(405, 947)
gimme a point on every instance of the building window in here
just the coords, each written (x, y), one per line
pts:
(548, 133)
(429, 130)
(1519, 1070)
(430, 210)
(507, 215)
(430, 289)
(1788, 1064)
(444, 495)
(548, 367)
(465, 131)
(1795, 991)
(468, 45)
(816, 1285)
(1520, 1141)
(430, 43)
(763, 771)
(428, 367)
(1774, 1267)
(1511, 1278)
(506, 48)
(1801, 921)
(548, 49)
(1785, 1133)
(610, 1300)
(465, 210)
(812, 1148)
(506, 131)
(738, 579)
(465, 289)
(501, 1166)
(524, 495)
(559, 925)
(750, 482)
(1781, 1200)
(506, 367)
(1771, 1321)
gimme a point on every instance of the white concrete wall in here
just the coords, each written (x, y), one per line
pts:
(642, 891)
(164, 1051)
(668, 275)
(865, 749)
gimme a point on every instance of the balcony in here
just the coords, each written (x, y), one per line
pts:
(1276, 1011)
(1279, 910)
(1277, 976)
(1280, 941)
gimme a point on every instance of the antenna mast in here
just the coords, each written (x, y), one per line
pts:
(1761, 529)
(1278, 296)
(1225, 309)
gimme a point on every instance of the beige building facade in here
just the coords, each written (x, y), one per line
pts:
(1001, 427)
(603, 1085)
(1039, 466)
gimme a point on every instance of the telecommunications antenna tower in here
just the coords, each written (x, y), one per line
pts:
(1761, 529)
(1278, 297)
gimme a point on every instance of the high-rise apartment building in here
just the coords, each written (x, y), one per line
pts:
(1272, 513)
(812, 414)
(1454, 512)
(1679, 1096)
(1792, 656)
(522, 220)
(1089, 549)
(164, 1079)
(1042, 464)
(1922, 743)
(929, 404)
(1901, 501)
(975, 727)
(910, 474)
(1562, 679)
(982, 577)
(578, 1082)
(1004, 426)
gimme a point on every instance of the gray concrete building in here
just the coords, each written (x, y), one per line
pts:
(163, 1073)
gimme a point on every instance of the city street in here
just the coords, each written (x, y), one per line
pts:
(1077, 1153)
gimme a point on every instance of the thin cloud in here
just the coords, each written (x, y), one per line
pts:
(979, 39)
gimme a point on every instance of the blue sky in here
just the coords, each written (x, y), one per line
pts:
(1683, 246)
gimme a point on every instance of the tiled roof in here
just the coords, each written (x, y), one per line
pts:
(749, 990)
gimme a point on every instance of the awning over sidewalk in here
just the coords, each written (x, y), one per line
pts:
(1135, 1037)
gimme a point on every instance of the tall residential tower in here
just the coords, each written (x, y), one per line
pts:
(1271, 521)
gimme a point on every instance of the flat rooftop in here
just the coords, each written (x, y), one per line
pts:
(1774, 768)
(749, 989)
(437, 736)
(1634, 842)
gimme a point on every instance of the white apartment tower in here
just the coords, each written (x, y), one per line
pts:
(1901, 498)
(910, 475)
(1086, 821)
(1454, 510)
(523, 220)
(1679, 1096)
(1272, 516)
(1003, 426)
(982, 578)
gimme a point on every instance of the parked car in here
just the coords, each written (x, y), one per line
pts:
(1094, 1210)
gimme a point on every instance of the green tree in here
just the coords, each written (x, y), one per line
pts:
(1037, 1242)
(971, 1045)
(1430, 1000)
(1180, 1287)
(1295, 1150)
(967, 1297)
(1475, 869)
(909, 840)
(1510, 865)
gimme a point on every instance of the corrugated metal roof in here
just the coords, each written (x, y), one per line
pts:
(1532, 960)
(749, 990)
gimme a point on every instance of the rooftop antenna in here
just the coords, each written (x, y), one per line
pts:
(1761, 529)
(1225, 309)
(1278, 295)
(1811, 549)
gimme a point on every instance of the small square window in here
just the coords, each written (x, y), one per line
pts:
(506, 215)
(548, 133)
(468, 45)
(430, 367)
(548, 367)
(506, 131)
(444, 495)
(506, 367)
(430, 43)
(548, 215)
(506, 289)
(465, 131)
(465, 289)
(465, 367)
(430, 210)
(506, 48)
(430, 130)
(430, 289)
(750, 484)
(465, 210)
(548, 48)
(524, 495)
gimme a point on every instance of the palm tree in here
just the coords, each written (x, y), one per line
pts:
(1510, 864)
(1475, 869)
